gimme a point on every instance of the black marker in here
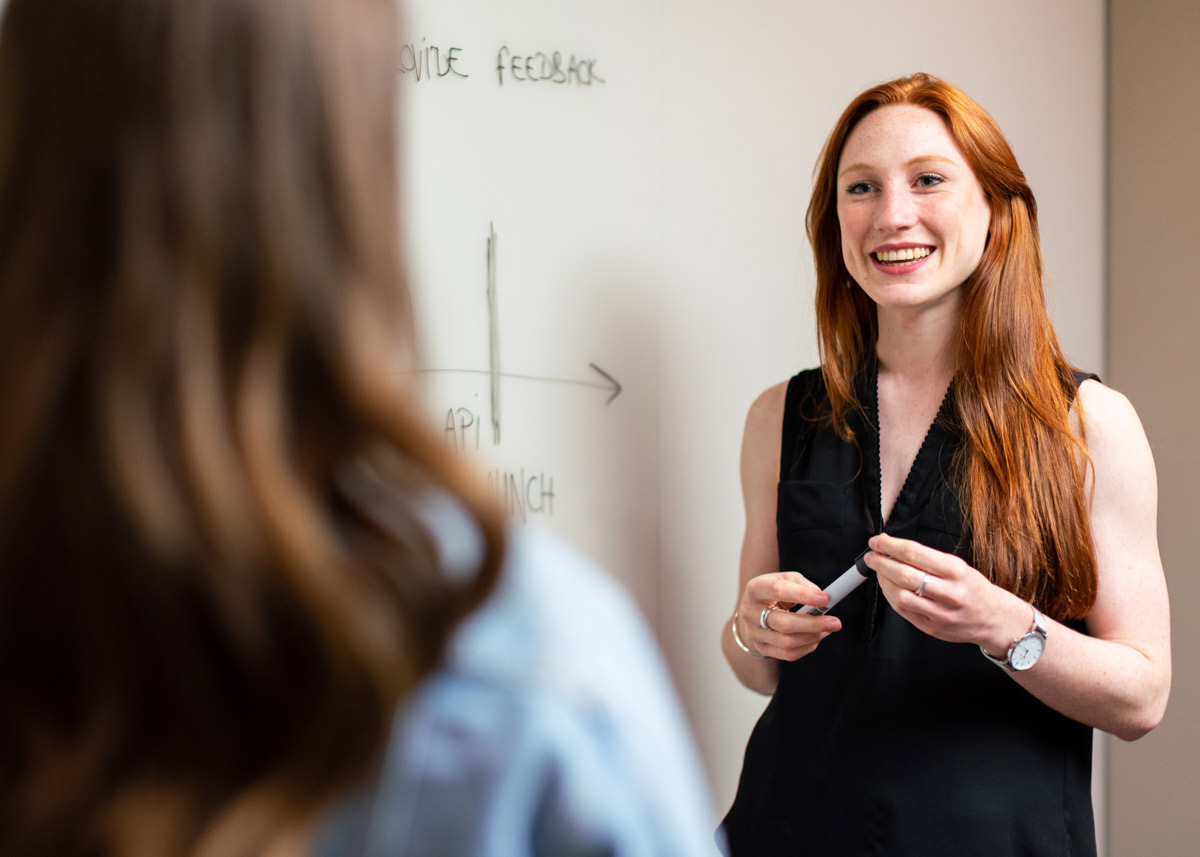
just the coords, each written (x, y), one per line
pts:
(847, 582)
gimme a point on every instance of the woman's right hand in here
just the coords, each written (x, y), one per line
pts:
(786, 636)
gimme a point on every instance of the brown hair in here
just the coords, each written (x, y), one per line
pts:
(1022, 487)
(203, 633)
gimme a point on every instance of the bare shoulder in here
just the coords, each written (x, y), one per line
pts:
(1122, 475)
(764, 434)
(1105, 408)
(766, 413)
(1111, 425)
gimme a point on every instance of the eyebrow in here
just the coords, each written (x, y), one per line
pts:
(907, 164)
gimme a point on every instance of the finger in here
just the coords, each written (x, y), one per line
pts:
(918, 609)
(790, 647)
(785, 588)
(775, 626)
(898, 573)
(784, 622)
(914, 553)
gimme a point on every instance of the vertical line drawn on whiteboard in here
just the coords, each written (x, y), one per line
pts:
(493, 333)
(606, 383)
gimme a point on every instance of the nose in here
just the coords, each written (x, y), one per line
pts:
(897, 209)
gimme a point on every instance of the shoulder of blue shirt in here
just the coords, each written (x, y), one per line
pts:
(551, 728)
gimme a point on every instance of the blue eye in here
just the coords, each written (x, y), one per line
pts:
(858, 188)
(929, 180)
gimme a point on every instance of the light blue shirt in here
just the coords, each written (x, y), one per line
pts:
(552, 729)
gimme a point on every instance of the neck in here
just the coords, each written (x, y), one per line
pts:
(921, 347)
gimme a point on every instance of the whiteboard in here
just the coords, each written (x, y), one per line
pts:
(645, 215)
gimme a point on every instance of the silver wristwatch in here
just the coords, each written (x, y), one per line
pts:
(1026, 650)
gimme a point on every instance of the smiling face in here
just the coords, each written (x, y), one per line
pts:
(914, 219)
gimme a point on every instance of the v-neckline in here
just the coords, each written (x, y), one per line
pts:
(922, 464)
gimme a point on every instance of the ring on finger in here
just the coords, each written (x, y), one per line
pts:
(762, 617)
(920, 590)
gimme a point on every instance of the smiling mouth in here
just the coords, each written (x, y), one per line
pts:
(901, 257)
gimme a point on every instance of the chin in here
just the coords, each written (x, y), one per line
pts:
(911, 296)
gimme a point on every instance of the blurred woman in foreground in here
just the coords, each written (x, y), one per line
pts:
(248, 603)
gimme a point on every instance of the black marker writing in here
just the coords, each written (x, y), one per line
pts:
(547, 68)
(428, 61)
(493, 333)
(459, 422)
(520, 495)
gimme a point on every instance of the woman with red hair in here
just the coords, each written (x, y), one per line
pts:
(1015, 598)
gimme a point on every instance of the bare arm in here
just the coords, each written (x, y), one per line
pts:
(1117, 676)
(760, 582)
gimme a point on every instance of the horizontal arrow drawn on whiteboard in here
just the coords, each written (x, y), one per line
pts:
(613, 384)
(610, 384)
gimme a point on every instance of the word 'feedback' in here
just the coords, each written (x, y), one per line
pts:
(545, 68)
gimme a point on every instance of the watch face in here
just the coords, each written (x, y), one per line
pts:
(1027, 651)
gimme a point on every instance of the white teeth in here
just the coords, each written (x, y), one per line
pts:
(908, 254)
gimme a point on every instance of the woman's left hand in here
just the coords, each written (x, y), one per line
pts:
(942, 595)
(1117, 675)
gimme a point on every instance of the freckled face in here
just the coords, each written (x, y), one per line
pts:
(914, 219)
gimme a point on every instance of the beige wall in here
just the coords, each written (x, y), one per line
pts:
(1154, 358)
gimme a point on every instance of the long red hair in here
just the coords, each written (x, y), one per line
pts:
(1022, 484)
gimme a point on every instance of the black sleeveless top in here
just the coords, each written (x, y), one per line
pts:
(886, 741)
